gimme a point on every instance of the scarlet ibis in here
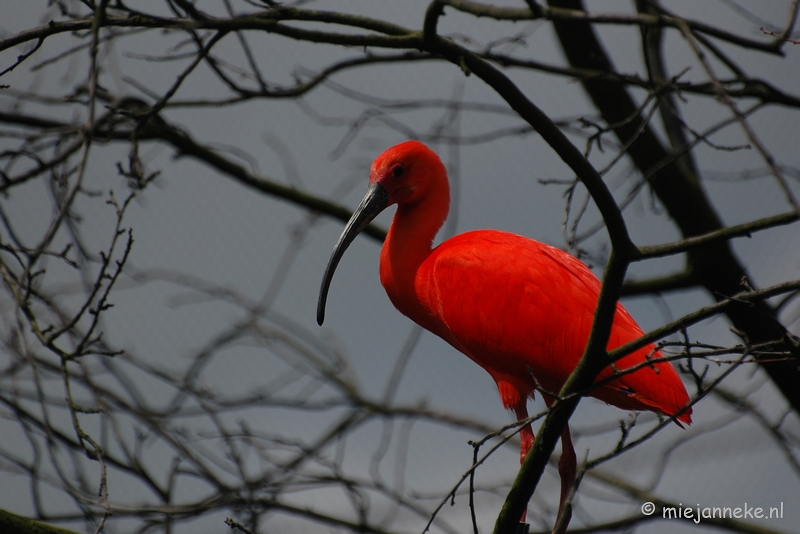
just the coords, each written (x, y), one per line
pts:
(520, 309)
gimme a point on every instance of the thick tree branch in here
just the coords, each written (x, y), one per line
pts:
(723, 234)
(22, 525)
(713, 265)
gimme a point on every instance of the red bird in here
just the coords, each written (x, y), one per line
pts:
(520, 309)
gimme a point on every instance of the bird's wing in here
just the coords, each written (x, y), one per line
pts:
(512, 302)
(523, 310)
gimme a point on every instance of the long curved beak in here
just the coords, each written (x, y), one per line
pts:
(374, 202)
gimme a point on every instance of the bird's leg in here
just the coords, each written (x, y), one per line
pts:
(526, 433)
(526, 437)
(567, 467)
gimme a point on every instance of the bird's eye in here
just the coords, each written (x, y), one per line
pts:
(398, 171)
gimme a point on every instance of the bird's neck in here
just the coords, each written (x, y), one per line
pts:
(408, 244)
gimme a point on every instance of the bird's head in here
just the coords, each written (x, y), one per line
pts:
(407, 172)
(404, 175)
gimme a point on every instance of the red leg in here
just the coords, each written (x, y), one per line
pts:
(526, 437)
(567, 468)
(567, 464)
(526, 434)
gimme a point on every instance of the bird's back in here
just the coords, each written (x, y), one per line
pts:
(523, 310)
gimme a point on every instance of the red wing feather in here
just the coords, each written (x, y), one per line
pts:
(523, 311)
